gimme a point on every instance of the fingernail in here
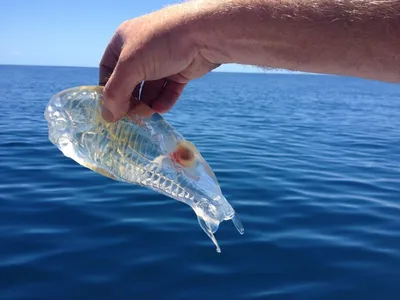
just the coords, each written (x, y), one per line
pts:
(106, 114)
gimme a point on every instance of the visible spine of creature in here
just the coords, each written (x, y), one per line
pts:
(147, 175)
(131, 150)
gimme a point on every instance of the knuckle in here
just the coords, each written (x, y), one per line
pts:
(110, 95)
(123, 27)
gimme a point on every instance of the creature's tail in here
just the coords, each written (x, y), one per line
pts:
(211, 227)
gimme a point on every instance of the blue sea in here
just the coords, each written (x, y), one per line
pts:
(311, 164)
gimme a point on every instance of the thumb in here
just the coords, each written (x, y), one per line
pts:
(118, 90)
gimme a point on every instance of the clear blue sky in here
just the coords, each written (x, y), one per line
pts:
(67, 32)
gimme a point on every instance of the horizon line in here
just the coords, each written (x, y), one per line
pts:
(261, 71)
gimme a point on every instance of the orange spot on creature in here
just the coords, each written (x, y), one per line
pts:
(183, 156)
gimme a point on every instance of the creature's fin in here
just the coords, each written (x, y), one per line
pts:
(209, 229)
(238, 224)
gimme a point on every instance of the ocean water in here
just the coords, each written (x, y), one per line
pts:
(310, 163)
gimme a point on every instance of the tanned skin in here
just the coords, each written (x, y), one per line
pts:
(169, 47)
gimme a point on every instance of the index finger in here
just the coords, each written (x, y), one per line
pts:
(110, 58)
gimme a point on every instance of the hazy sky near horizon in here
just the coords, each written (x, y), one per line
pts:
(68, 32)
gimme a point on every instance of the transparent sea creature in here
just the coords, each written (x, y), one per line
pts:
(143, 150)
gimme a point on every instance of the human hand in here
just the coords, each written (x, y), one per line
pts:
(168, 48)
(160, 49)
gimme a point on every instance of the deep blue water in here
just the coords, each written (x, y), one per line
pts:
(311, 164)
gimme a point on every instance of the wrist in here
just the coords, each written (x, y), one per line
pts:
(224, 31)
(193, 24)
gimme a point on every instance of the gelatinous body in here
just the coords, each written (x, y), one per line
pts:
(142, 150)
